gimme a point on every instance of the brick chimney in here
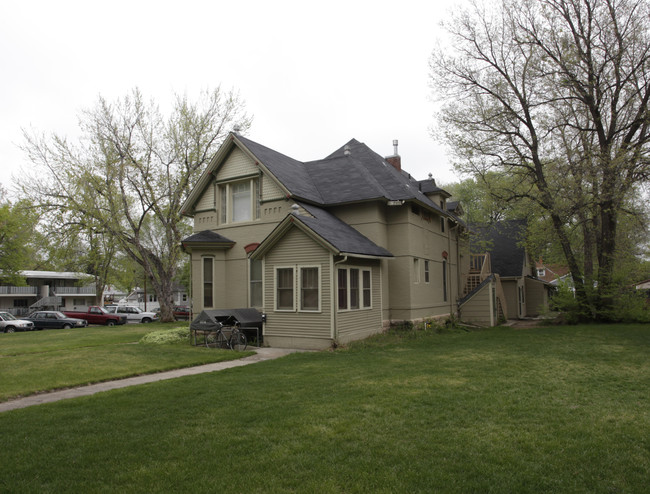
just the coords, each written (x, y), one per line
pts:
(395, 159)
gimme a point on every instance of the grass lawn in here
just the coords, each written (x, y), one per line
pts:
(39, 361)
(562, 409)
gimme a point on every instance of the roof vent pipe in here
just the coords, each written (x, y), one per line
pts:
(395, 153)
(346, 150)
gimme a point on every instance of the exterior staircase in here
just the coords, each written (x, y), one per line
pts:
(54, 302)
(480, 269)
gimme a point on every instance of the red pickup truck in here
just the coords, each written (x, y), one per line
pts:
(95, 315)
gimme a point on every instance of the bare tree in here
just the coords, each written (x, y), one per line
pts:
(131, 172)
(555, 93)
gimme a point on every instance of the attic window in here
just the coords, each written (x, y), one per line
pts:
(239, 201)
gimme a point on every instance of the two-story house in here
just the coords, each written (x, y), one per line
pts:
(330, 250)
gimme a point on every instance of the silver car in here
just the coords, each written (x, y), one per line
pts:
(9, 323)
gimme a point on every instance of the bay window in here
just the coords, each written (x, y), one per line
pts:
(354, 289)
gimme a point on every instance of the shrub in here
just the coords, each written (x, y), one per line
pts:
(627, 306)
(630, 306)
(167, 336)
(564, 302)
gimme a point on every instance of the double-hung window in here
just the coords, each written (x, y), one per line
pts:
(284, 296)
(297, 286)
(256, 283)
(309, 289)
(354, 288)
(239, 201)
(208, 282)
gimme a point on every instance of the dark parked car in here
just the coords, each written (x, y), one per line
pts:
(52, 319)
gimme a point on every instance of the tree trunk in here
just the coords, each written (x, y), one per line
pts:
(606, 288)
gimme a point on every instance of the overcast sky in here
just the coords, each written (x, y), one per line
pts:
(313, 75)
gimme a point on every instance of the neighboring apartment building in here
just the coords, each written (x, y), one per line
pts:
(47, 289)
(330, 250)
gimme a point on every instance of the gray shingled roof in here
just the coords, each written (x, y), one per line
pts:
(340, 178)
(501, 240)
(206, 236)
(292, 173)
(339, 234)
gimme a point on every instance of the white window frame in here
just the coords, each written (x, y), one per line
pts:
(275, 291)
(251, 281)
(226, 205)
(297, 288)
(212, 297)
(361, 288)
(299, 268)
(427, 272)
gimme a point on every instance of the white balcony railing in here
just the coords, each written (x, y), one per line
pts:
(18, 290)
(74, 290)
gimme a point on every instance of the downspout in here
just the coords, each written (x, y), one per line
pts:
(490, 287)
(190, 288)
(334, 332)
(451, 298)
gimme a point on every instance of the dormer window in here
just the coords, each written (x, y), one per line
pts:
(239, 201)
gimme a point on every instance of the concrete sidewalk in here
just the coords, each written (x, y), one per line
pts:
(262, 354)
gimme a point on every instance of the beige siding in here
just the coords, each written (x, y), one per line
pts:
(275, 210)
(207, 201)
(477, 309)
(414, 235)
(296, 249)
(512, 299)
(356, 324)
(205, 221)
(236, 165)
(270, 190)
(408, 234)
(536, 297)
(219, 288)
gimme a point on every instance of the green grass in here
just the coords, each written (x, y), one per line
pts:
(563, 409)
(40, 361)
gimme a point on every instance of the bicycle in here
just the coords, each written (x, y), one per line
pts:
(236, 340)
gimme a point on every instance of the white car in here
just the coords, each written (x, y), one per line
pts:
(9, 323)
(133, 314)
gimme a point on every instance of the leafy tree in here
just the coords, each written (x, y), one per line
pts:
(555, 94)
(131, 172)
(17, 224)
